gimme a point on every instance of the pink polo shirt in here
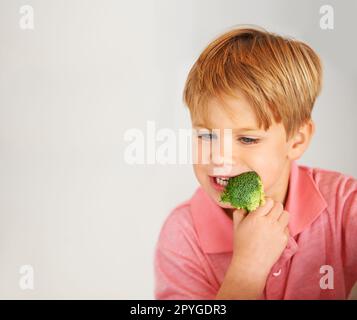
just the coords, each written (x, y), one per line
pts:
(195, 245)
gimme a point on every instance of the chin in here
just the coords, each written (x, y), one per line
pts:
(225, 206)
(216, 197)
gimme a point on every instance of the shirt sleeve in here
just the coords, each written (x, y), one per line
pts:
(179, 263)
(349, 241)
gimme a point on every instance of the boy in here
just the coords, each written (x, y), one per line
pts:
(300, 244)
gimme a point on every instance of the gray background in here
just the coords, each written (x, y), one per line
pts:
(70, 205)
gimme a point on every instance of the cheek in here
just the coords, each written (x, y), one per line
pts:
(201, 151)
(269, 164)
(199, 172)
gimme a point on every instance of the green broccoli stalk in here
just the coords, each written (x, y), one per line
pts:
(245, 191)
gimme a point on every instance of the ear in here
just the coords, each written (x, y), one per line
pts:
(298, 144)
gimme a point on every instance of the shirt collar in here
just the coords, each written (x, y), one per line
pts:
(215, 230)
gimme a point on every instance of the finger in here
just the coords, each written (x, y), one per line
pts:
(284, 219)
(287, 234)
(238, 216)
(277, 211)
(287, 231)
(264, 209)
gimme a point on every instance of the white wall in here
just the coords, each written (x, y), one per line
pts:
(90, 70)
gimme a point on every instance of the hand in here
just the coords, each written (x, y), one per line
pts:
(260, 236)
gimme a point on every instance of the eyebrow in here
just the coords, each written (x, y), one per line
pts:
(234, 130)
(245, 129)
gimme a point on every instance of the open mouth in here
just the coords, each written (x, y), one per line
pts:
(219, 183)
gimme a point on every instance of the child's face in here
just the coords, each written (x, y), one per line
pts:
(269, 156)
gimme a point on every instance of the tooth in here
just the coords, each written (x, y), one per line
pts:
(221, 181)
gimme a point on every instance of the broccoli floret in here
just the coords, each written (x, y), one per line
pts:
(244, 191)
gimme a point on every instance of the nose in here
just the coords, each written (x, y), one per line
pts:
(221, 153)
(217, 155)
(222, 165)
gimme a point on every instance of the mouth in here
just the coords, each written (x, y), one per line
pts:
(219, 183)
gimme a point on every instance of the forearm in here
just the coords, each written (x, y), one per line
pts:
(242, 283)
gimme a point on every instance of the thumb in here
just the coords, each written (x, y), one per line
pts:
(238, 215)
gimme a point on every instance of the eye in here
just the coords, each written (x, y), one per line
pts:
(206, 136)
(249, 140)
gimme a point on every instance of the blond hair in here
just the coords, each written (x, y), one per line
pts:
(280, 77)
